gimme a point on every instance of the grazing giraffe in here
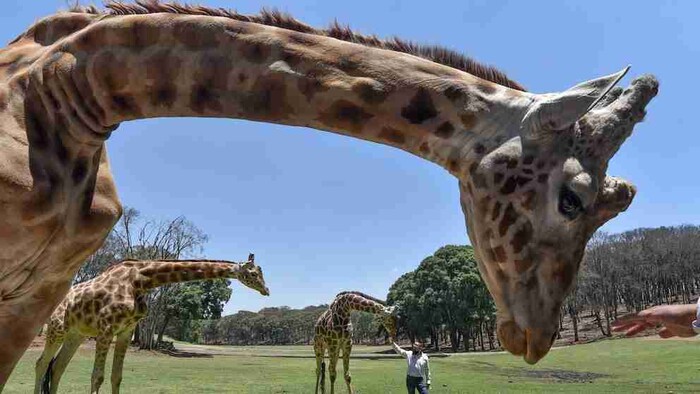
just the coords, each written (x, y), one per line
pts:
(333, 332)
(531, 167)
(112, 303)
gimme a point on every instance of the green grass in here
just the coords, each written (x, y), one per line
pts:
(635, 365)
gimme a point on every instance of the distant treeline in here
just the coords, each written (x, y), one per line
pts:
(444, 301)
(281, 326)
(633, 270)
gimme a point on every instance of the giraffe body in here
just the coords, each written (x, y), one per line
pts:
(111, 304)
(333, 333)
(531, 167)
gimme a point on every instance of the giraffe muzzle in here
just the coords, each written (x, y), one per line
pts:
(532, 344)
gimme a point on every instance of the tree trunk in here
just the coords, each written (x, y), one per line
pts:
(162, 328)
(574, 322)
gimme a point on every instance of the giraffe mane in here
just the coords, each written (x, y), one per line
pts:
(276, 18)
(369, 297)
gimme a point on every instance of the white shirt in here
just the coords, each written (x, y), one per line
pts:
(696, 322)
(417, 364)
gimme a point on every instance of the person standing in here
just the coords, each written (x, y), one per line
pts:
(418, 373)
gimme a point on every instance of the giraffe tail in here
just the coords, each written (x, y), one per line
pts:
(46, 382)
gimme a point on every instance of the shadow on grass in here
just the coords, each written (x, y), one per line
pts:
(555, 375)
(178, 353)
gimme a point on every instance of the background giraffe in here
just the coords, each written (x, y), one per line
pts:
(333, 332)
(112, 304)
(531, 167)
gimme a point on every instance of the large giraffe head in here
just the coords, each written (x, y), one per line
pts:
(251, 275)
(387, 318)
(533, 202)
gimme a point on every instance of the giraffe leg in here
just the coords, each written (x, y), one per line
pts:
(70, 345)
(347, 349)
(120, 348)
(42, 364)
(333, 362)
(319, 351)
(98, 370)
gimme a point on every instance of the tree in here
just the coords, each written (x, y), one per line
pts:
(445, 294)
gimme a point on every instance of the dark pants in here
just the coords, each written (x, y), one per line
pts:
(413, 383)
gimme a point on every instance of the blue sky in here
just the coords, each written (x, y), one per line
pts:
(326, 213)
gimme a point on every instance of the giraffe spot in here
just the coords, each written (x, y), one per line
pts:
(564, 274)
(203, 98)
(542, 178)
(424, 148)
(36, 133)
(255, 52)
(163, 67)
(347, 64)
(521, 180)
(392, 135)
(3, 100)
(346, 116)
(267, 99)
(486, 87)
(310, 85)
(531, 283)
(80, 170)
(521, 237)
(522, 265)
(195, 35)
(529, 200)
(468, 120)
(453, 93)
(509, 217)
(50, 30)
(478, 178)
(445, 130)
(125, 105)
(291, 58)
(528, 159)
(453, 166)
(112, 72)
(496, 211)
(499, 254)
(144, 34)
(528, 171)
(508, 161)
(510, 185)
(370, 91)
(420, 108)
(60, 149)
(498, 177)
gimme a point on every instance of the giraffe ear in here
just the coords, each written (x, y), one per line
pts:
(558, 111)
(251, 259)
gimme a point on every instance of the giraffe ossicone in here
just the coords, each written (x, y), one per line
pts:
(111, 305)
(533, 188)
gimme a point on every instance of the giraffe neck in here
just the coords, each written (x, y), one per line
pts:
(344, 303)
(153, 274)
(121, 68)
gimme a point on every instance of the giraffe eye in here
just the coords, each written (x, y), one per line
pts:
(569, 203)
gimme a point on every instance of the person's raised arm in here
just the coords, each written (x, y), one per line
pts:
(398, 349)
(676, 320)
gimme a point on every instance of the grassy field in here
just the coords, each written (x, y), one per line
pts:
(633, 365)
